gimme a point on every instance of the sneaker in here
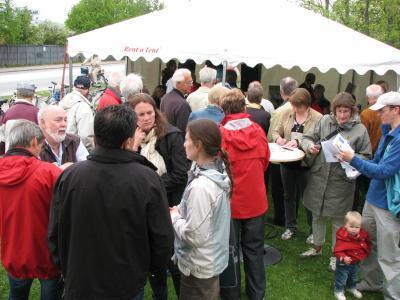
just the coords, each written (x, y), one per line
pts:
(340, 296)
(356, 293)
(310, 239)
(288, 234)
(312, 252)
(332, 264)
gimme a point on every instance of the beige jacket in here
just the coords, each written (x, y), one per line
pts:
(282, 113)
(284, 126)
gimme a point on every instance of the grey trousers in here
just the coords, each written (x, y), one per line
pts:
(381, 269)
(193, 288)
(319, 229)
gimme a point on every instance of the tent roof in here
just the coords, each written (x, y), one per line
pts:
(271, 32)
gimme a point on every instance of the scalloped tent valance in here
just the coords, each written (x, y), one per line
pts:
(271, 32)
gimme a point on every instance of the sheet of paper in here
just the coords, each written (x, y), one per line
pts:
(351, 172)
(341, 143)
(330, 151)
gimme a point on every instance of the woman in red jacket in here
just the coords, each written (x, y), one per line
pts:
(352, 246)
(248, 151)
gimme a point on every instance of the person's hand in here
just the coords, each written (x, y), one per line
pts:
(173, 210)
(138, 138)
(347, 260)
(291, 144)
(314, 149)
(280, 141)
(346, 155)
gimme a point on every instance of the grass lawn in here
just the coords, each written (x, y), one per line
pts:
(292, 278)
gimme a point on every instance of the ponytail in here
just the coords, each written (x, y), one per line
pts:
(224, 157)
(208, 133)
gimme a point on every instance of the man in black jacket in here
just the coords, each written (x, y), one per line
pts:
(109, 222)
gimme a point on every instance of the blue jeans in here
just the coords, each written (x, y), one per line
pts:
(50, 289)
(140, 295)
(345, 276)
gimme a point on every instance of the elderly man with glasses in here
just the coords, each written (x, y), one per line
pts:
(174, 104)
(381, 213)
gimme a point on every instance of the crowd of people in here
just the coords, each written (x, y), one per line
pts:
(95, 202)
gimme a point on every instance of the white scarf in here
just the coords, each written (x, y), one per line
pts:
(148, 150)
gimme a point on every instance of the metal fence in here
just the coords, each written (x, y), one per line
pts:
(26, 55)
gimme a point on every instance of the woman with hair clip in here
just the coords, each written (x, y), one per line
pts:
(162, 144)
(202, 220)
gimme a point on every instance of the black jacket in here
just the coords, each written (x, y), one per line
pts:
(175, 107)
(109, 225)
(260, 116)
(170, 146)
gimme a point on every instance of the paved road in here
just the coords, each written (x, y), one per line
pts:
(42, 77)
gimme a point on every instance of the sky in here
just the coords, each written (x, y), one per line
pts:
(54, 10)
(57, 10)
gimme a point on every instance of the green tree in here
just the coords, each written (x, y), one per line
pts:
(379, 19)
(50, 33)
(91, 14)
(16, 24)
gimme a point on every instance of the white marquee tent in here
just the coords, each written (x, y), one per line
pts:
(270, 32)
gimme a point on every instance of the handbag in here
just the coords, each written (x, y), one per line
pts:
(229, 278)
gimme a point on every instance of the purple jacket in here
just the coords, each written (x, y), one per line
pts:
(21, 110)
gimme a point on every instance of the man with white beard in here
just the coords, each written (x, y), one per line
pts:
(59, 147)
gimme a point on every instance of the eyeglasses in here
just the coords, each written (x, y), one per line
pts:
(188, 82)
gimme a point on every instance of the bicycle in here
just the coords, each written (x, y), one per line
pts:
(95, 94)
(55, 94)
(12, 100)
(100, 78)
(2, 102)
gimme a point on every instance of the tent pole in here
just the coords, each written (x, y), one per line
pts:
(398, 82)
(371, 77)
(339, 83)
(70, 72)
(63, 72)
(126, 64)
(224, 65)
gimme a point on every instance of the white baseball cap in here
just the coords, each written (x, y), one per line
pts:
(390, 98)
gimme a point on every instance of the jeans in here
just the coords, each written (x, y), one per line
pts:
(345, 276)
(50, 289)
(139, 295)
(250, 235)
